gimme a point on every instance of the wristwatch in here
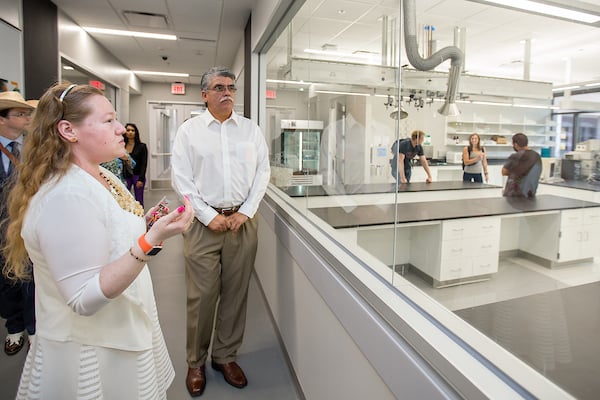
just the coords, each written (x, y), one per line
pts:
(147, 248)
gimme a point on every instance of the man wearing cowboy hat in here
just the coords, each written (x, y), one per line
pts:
(16, 299)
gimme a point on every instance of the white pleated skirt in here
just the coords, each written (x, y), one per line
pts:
(68, 370)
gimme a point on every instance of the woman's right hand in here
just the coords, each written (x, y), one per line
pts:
(177, 221)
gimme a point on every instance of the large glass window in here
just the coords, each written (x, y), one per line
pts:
(340, 93)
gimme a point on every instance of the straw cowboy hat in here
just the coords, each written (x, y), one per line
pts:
(13, 100)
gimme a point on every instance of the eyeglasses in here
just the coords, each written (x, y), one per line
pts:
(221, 88)
(21, 114)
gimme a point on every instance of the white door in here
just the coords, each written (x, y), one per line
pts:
(163, 121)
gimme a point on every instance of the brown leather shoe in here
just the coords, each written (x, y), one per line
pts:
(11, 348)
(196, 381)
(232, 373)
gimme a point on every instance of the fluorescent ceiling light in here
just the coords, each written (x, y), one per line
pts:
(531, 106)
(161, 73)
(364, 56)
(491, 103)
(348, 93)
(554, 11)
(560, 89)
(129, 33)
(289, 82)
(592, 84)
(68, 67)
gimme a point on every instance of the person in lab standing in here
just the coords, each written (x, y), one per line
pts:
(220, 161)
(404, 150)
(475, 165)
(523, 169)
(17, 304)
(138, 151)
(97, 334)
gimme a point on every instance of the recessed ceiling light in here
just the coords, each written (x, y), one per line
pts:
(289, 82)
(560, 89)
(158, 73)
(361, 55)
(129, 33)
(345, 93)
(547, 9)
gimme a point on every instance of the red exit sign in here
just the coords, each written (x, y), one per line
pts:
(271, 94)
(177, 88)
(97, 84)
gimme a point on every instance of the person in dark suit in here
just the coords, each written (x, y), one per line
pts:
(16, 298)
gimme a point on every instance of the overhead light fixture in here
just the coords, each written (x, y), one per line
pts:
(288, 82)
(68, 67)
(129, 33)
(560, 89)
(592, 84)
(158, 73)
(547, 9)
(490, 103)
(361, 55)
(534, 106)
(346, 93)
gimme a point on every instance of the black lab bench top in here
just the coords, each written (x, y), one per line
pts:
(382, 214)
(325, 190)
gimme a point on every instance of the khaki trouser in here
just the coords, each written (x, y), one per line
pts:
(217, 268)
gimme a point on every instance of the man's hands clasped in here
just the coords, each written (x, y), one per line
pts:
(233, 222)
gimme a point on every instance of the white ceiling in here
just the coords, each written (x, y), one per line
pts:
(211, 31)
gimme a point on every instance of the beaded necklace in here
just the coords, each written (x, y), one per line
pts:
(125, 200)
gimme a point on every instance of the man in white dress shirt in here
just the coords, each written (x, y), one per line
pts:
(220, 161)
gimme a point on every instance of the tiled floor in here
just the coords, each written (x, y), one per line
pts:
(260, 356)
(549, 318)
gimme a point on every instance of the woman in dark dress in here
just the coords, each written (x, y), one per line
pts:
(139, 152)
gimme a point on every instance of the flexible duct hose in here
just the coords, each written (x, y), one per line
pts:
(426, 64)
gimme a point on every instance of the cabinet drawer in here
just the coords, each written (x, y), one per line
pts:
(470, 227)
(455, 268)
(591, 216)
(454, 248)
(483, 246)
(485, 265)
(571, 218)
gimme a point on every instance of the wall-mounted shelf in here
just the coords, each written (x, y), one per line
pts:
(538, 131)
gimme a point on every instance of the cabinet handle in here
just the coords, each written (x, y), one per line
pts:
(455, 269)
(579, 236)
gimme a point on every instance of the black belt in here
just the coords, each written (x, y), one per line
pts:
(227, 211)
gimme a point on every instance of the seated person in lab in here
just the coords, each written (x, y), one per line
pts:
(404, 150)
(522, 168)
(474, 161)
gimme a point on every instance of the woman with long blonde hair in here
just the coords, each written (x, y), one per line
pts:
(98, 334)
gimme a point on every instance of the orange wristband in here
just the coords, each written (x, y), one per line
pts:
(147, 248)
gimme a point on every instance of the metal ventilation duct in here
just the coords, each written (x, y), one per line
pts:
(426, 64)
